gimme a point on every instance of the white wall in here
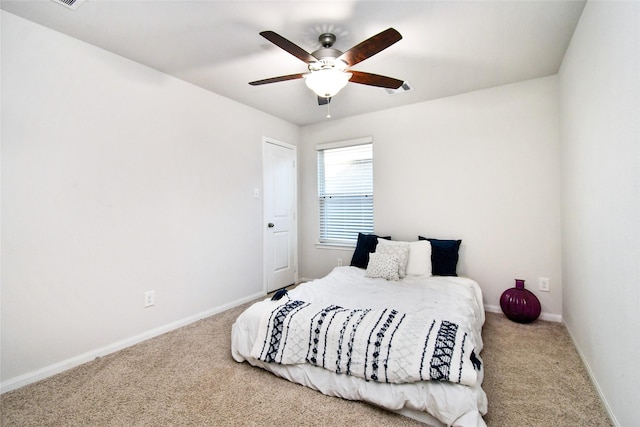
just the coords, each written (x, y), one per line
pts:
(117, 179)
(482, 167)
(600, 116)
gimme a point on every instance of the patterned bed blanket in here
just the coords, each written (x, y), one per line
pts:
(380, 345)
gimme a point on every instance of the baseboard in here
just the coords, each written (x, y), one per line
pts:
(592, 377)
(56, 368)
(551, 317)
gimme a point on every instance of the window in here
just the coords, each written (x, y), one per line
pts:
(345, 190)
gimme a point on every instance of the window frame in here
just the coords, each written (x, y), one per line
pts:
(340, 243)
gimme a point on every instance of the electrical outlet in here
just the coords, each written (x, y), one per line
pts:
(149, 298)
(543, 284)
(339, 262)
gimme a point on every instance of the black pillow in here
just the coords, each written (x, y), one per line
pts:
(366, 244)
(444, 256)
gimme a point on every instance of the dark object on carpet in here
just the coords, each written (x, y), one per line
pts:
(279, 294)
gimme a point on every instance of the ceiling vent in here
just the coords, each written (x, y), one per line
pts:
(406, 87)
(71, 4)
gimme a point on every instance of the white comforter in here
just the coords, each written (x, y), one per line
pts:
(455, 299)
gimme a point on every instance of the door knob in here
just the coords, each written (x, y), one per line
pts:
(270, 225)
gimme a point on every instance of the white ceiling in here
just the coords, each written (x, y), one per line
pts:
(448, 47)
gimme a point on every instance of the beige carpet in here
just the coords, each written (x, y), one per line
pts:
(534, 377)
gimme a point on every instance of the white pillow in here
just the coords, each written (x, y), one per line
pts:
(382, 266)
(399, 249)
(419, 258)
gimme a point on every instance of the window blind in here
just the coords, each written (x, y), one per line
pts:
(345, 193)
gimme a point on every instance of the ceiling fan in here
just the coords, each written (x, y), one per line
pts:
(329, 68)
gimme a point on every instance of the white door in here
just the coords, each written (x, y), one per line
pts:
(281, 244)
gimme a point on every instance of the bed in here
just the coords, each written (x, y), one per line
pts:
(357, 294)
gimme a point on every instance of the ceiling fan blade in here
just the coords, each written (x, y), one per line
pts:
(290, 47)
(370, 46)
(374, 80)
(277, 79)
(323, 101)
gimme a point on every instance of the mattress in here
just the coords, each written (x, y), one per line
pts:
(455, 299)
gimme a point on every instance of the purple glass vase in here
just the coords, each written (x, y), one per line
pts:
(520, 304)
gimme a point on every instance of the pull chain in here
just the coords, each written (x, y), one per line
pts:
(328, 110)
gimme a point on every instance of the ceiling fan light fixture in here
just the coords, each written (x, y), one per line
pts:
(328, 66)
(327, 82)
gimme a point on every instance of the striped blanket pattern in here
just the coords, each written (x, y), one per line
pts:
(379, 345)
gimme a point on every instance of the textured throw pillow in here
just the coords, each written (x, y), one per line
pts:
(366, 244)
(444, 256)
(382, 266)
(398, 249)
(419, 263)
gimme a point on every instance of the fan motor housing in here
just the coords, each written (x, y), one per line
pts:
(326, 52)
(325, 63)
